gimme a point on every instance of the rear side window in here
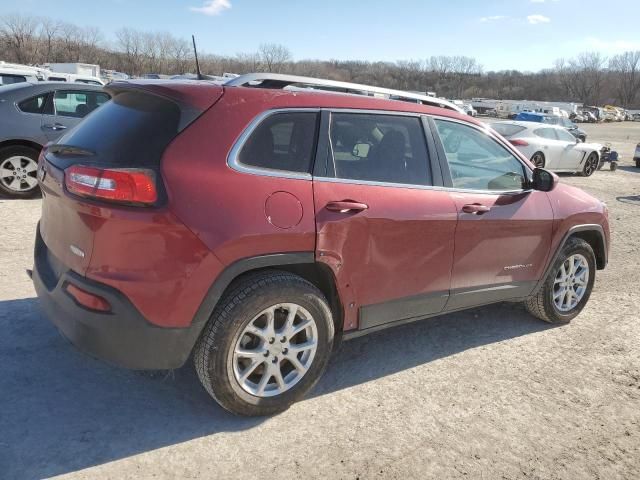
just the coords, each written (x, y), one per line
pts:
(506, 129)
(34, 104)
(379, 148)
(548, 133)
(132, 129)
(478, 162)
(77, 104)
(283, 141)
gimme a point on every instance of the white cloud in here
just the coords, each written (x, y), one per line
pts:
(610, 46)
(212, 7)
(492, 18)
(537, 18)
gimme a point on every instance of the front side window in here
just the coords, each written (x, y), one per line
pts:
(283, 141)
(34, 104)
(379, 148)
(478, 162)
(77, 104)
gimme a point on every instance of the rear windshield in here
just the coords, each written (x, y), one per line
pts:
(132, 129)
(507, 129)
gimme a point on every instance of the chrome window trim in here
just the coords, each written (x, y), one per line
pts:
(417, 187)
(232, 158)
(235, 164)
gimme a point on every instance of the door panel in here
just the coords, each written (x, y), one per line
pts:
(500, 253)
(397, 249)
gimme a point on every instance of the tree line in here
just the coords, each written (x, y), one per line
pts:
(590, 78)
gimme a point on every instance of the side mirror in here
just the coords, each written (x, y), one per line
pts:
(543, 180)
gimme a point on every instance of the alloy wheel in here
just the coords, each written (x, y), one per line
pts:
(18, 173)
(275, 350)
(571, 282)
(591, 165)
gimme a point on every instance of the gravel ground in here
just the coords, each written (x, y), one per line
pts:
(488, 393)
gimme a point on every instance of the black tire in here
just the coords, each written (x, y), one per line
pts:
(590, 165)
(245, 299)
(538, 159)
(19, 151)
(637, 163)
(542, 306)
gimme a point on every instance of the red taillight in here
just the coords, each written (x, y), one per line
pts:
(87, 299)
(519, 143)
(127, 185)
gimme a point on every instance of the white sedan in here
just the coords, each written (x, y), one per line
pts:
(551, 146)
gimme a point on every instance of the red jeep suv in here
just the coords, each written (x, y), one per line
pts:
(250, 224)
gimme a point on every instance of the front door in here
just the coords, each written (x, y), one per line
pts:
(386, 234)
(504, 232)
(572, 158)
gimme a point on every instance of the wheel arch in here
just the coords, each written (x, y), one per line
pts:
(21, 143)
(593, 234)
(302, 264)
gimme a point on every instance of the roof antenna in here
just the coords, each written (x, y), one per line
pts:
(195, 52)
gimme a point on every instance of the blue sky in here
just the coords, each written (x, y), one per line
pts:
(520, 34)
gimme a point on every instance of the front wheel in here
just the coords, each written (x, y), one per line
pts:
(567, 288)
(590, 165)
(266, 344)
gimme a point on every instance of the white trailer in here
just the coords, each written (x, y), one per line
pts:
(83, 69)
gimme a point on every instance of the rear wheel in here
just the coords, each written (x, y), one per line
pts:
(538, 159)
(266, 344)
(18, 171)
(590, 165)
(568, 286)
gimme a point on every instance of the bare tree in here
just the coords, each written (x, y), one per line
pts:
(129, 43)
(19, 33)
(48, 36)
(627, 69)
(274, 56)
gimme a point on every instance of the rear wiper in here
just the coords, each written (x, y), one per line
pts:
(60, 149)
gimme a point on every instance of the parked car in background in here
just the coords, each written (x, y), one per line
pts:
(32, 114)
(9, 76)
(551, 146)
(346, 210)
(571, 127)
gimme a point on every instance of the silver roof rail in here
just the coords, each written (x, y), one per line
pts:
(278, 80)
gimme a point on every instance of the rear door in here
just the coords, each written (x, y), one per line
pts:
(67, 108)
(504, 231)
(382, 227)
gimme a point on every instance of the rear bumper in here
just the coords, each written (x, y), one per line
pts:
(122, 336)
